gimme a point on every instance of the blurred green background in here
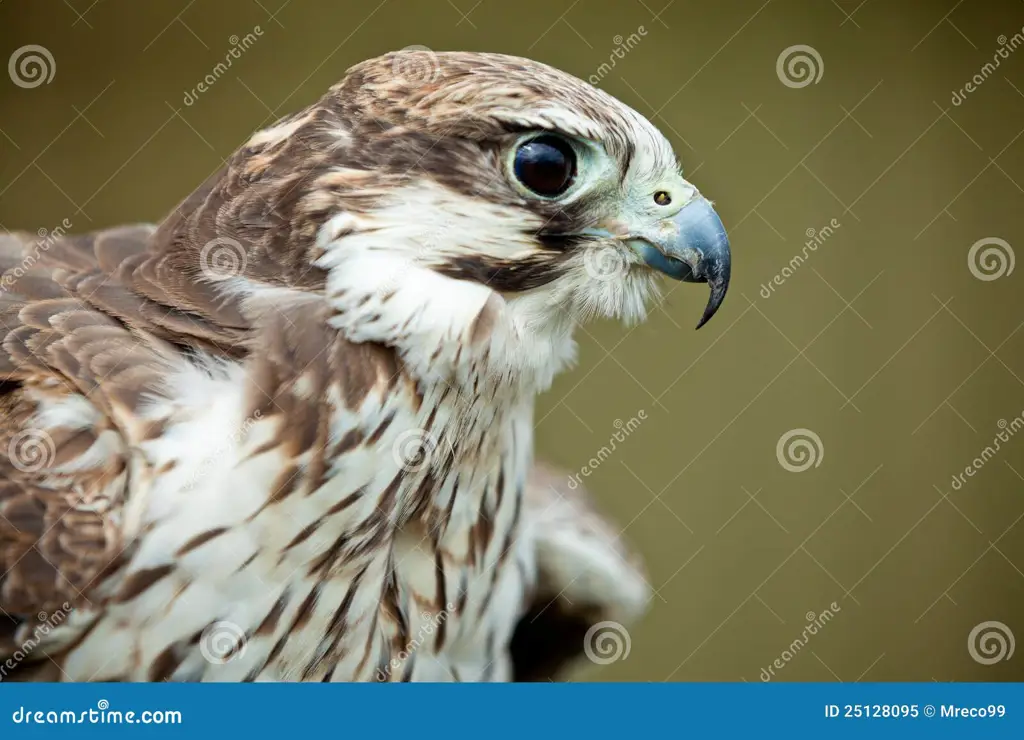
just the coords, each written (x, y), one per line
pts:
(884, 344)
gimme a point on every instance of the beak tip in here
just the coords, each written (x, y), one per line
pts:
(715, 301)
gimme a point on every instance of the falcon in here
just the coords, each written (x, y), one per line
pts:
(287, 434)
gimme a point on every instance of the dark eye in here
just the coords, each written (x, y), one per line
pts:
(546, 165)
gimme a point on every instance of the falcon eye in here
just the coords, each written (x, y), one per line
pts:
(545, 165)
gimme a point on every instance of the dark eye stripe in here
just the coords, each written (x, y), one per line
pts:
(557, 242)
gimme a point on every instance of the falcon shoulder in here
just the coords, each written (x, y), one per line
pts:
(587, 574)
(93, 331)
(72, 378)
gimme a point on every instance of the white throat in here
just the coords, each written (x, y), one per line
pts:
(449, 332)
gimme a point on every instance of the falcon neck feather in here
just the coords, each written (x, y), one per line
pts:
(447, 332)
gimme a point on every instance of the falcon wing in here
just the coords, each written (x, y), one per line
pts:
(72, 379)
(587, 574)
(91, 328)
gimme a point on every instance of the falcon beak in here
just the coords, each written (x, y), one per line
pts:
(691, 246)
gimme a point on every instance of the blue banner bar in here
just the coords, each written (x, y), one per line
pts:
(523, 712)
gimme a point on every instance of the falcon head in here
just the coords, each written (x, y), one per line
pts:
(469, 209)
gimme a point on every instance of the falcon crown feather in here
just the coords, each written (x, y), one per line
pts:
(287, 433)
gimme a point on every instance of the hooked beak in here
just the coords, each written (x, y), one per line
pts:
(692, 247)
